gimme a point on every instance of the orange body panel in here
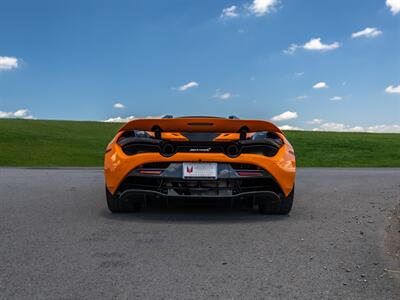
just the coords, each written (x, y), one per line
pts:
(200, 125)
(282, 166)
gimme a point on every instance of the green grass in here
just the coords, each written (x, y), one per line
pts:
(53, 143)
(35, 143)
(345, 149)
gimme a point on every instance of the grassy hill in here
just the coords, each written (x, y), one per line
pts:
(36, 143)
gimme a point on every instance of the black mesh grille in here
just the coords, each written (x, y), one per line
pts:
(195, 187)
(237, 166)
(200, 136)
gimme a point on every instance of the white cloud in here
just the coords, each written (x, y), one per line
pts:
(8, 62)
(320, 85)
(188, 85)
(336, 98)
(118, 105)
(302, 97)
(394, 6)
(229, 12)
(313, 45)
(330, 127)
(367, 32)
(262, 7)
(287, 115)
(223, 95)
(298, 74)
(289, 127)
(384, 128)
(20, 114)
(120, 119)
(315, 121)
(338, 127)
(316, 45)
(356, 129)
(256, 7)
(391, 89)
(292, 49)
(129, 118)
(5, 114)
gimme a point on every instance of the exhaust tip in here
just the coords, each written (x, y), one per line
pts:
(168, 149)
(232, 150)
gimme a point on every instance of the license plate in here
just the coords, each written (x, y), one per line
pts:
(200, 170)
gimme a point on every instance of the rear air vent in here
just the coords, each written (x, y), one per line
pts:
(200, 124)
(156, 165)
(133, 145)
(237, 166)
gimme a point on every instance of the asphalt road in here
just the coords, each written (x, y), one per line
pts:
(58, 241)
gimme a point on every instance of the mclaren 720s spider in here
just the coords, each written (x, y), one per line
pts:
(200, 159)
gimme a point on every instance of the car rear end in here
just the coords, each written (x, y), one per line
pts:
(207, 159)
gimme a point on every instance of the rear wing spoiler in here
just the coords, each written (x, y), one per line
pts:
(220, 125)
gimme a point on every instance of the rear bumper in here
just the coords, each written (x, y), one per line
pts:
(229, 185)
(281, 167)
(138, 195)
(246, 199)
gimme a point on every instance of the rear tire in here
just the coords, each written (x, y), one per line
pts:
(116, 205)
(282, 207)
(286, 204)
(267, 207)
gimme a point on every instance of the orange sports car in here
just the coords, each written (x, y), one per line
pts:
(200, 158)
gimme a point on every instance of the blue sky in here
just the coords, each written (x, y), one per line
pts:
(326, 65)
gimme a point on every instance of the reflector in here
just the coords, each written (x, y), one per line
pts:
(249, 173)
(150, 172)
